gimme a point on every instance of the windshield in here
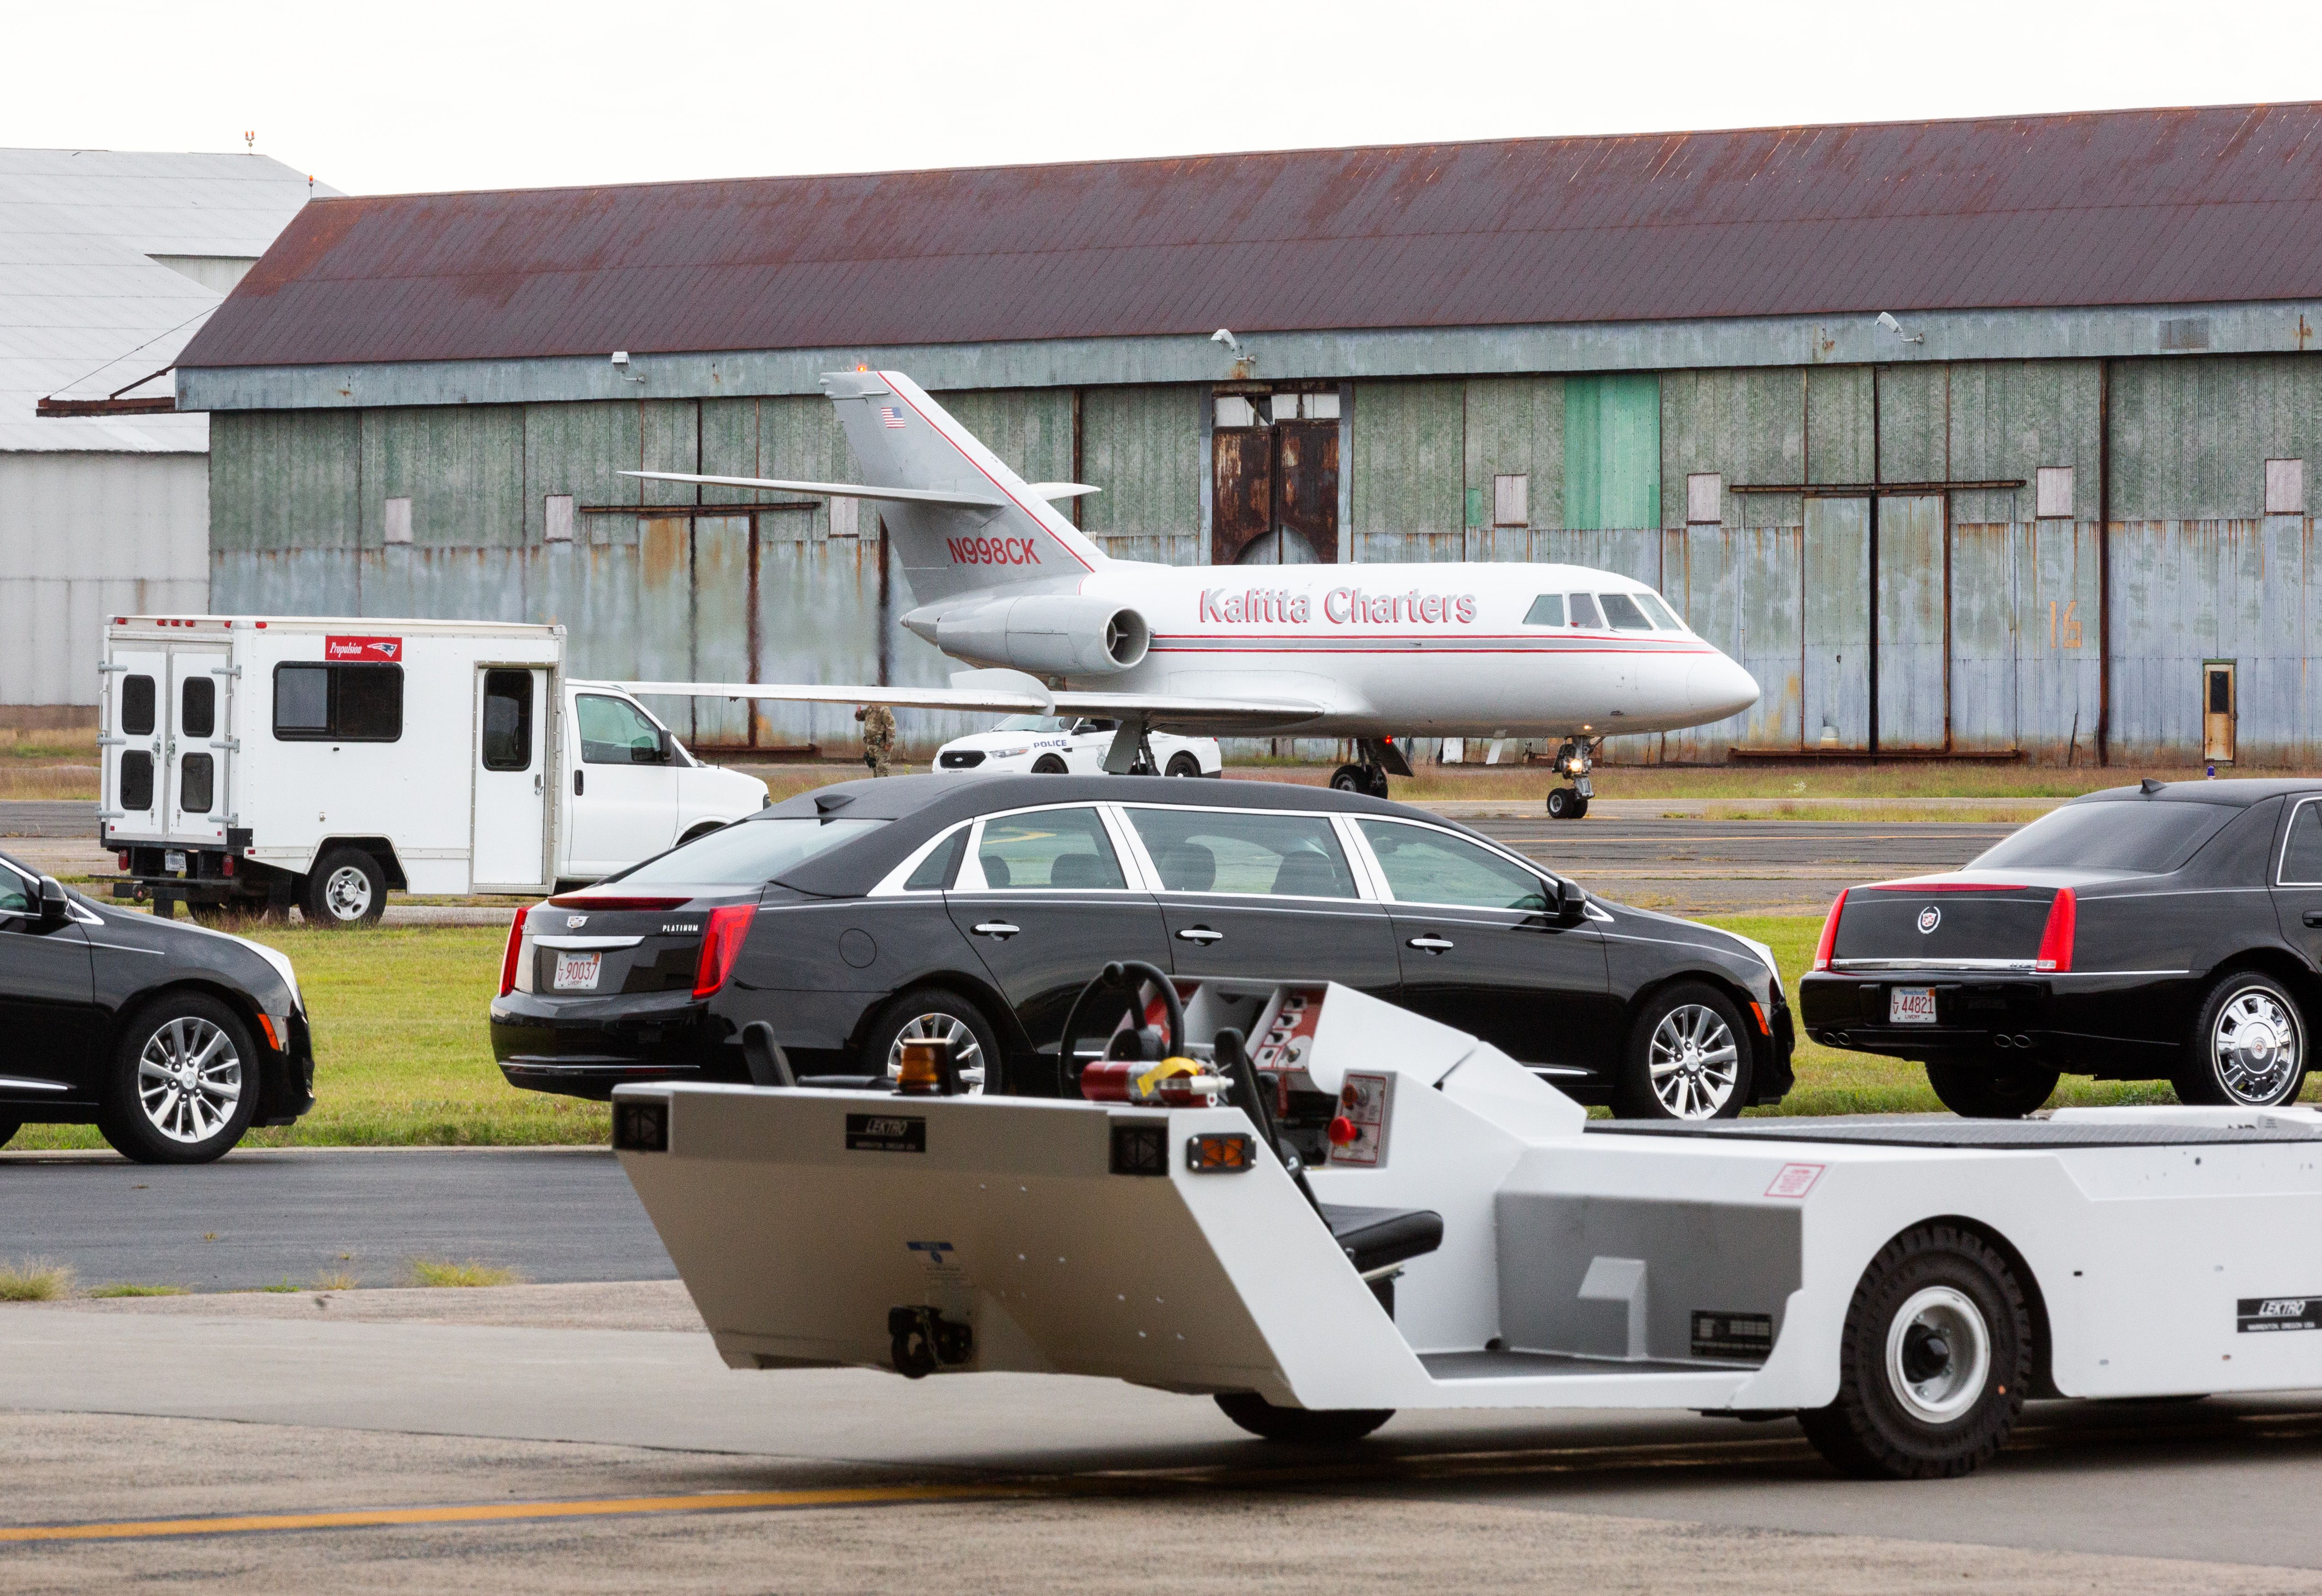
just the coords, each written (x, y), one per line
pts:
(2145, 837)
(1031, 723)
(746, 853)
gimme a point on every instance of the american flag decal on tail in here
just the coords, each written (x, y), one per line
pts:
(890, 415)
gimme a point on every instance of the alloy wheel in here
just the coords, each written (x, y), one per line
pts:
(189, 1078)
(1938, 1354)
(967, 1052)
(1694, 1063)
(346, 893)
(2255, 1047)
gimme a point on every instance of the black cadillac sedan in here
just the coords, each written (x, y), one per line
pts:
(976, 908)
(172, 1039)
(2169, 931)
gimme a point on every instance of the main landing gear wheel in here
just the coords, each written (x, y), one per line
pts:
(1991, 1091)
(2248, 1047)
(1686, 1058)
(346, 889)
(1304, 1426)
(1565, 803)
(183, 1083)
(1368, 779)
(1933, 1362)
(932, 1013)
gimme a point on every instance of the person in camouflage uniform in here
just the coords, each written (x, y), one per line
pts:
(877, 737)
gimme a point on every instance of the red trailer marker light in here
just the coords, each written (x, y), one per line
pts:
(514, 950)
(1830, 932)
(2056, 942)
(721, 944)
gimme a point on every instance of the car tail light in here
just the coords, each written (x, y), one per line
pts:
(514, 950)
(655, 906)
(2056, 940)
(721, 944)
(1830, 932)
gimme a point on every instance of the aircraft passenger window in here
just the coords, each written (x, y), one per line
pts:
(1621, 611)
(198, 707)
(1258, 855)
(2302, 856)
(616, 732)
(1064, 848)
(1547, 610)
(1661, 611)
(1424, 866)
(1584, 612)
(137, 706)
(508, 720)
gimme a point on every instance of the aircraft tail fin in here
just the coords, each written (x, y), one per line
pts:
(904, 439)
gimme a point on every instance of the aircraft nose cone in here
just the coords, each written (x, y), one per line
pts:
(1718, 687)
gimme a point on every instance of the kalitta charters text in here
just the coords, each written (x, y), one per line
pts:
(1340, 606)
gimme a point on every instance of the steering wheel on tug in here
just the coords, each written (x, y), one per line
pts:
(1141, 1041)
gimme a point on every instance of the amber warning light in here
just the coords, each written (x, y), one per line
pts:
(1223, 1152)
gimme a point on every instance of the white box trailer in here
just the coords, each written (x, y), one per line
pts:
(252, 762)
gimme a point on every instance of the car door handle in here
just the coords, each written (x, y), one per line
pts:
(1201, 934)
(999, 928)
(1433, 944)
(2312, 917)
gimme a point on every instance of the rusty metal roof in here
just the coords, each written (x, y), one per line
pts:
(2127, 207)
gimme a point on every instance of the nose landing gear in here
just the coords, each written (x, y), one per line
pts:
(1574, 760)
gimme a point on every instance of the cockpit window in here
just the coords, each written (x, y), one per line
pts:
(1584, 612)
(1547, 610)
(1661, 611)
(1621, 611)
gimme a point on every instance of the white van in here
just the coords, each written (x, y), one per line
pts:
(252, 763)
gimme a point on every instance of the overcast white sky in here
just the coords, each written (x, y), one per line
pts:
(426, 94)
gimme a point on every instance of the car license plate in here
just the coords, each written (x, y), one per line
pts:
(577, 972)
(1911, 1005)
(173, 862)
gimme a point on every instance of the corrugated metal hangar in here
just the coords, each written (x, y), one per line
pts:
(1972, 437)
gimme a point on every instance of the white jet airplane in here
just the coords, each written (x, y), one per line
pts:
(1055, 626)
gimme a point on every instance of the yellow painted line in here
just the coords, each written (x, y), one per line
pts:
(721, 1501)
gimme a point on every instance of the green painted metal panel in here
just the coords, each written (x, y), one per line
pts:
(1738, 586)
(1613, 451)
(668, 434)
(1406, 493)
(1837, 425)
(1515, 426)
(1747, 425)
(581, 450)
(2008, 418)
(286, 479)
(2191, 435)
(1143, 447)
(462, 467)
(800, 440)
(1031, 429)
(1915, 423)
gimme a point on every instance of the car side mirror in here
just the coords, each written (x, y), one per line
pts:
(52, 901)
(668, 745)
(1571, 903)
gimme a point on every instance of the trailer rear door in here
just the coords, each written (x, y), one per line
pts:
(197, 744)
(134, 740)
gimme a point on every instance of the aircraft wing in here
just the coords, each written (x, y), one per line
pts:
(910, 496)
(1023, 696)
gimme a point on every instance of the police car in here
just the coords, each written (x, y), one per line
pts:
(1052, 745)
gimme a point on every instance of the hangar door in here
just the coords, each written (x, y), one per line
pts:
(1913, 614)
(1275, 483)
(1876, 615)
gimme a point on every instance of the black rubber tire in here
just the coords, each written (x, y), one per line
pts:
(1348, 779)
(1633, 1096)
(1992, 1091)
(2200, 1079)
(1564, 803)
(8, 1129)
(122, 1118)
(879, 1035)
(1374, 782)
(1579, 809)
(1303, 1426)
(1183, 764)
(1048, 765)
(313, 895)
(1869, 1432)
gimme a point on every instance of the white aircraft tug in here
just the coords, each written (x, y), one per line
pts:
(1319, 1208)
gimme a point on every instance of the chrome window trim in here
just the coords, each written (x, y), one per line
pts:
(1387, 893)
(2027, 966)
(891, 885)
(1328, 817)
(2282, 863)
(25, 1083)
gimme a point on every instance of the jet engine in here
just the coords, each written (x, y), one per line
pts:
(1049, 634)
